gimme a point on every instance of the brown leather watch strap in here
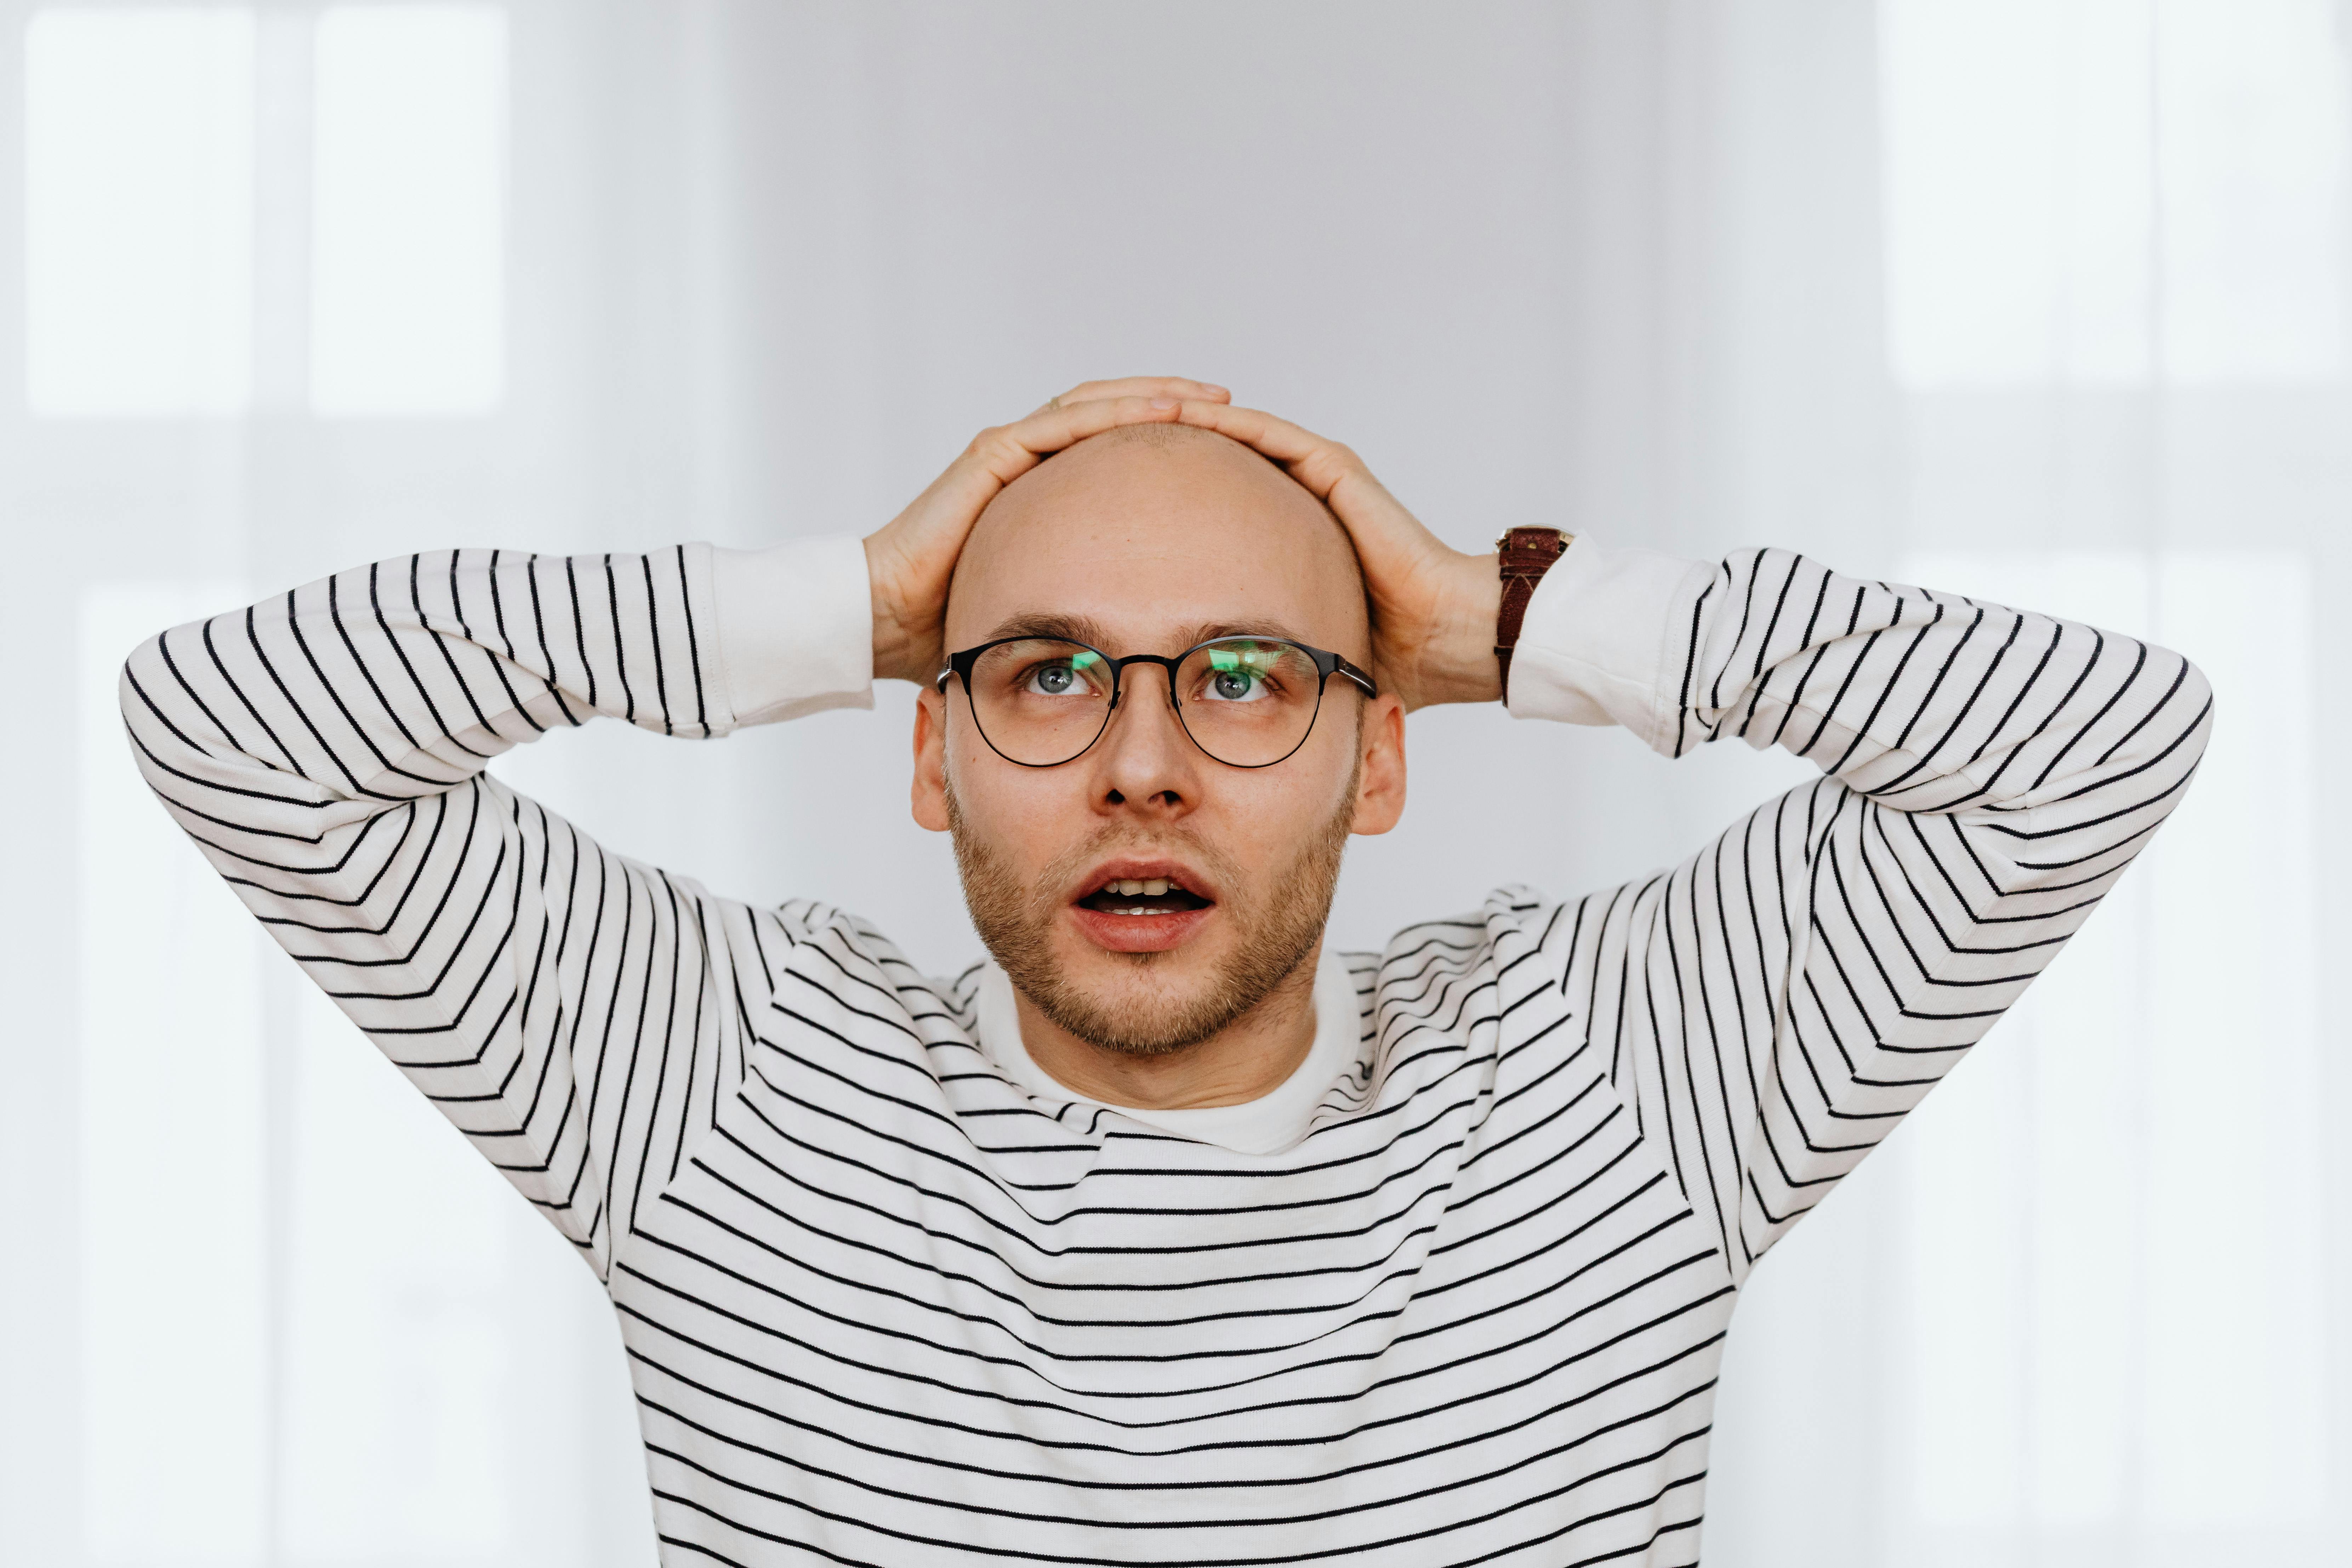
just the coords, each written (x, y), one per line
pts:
(1525, 555)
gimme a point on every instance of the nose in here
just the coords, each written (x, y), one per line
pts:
(1144, 761)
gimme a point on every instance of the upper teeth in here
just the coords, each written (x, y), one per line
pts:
(1150, 889)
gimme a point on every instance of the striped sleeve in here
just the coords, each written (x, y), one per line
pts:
(567, 1009)
(1777, 1002)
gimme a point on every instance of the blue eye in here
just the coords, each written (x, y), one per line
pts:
(1076, 675)
(1245, 673)
(1235, 685)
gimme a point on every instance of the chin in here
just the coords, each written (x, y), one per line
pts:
(1147, 1004)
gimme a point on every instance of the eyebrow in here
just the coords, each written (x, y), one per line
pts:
(1069, 628)
(1087, 630)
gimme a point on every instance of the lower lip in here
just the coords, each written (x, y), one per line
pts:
(1139, 933)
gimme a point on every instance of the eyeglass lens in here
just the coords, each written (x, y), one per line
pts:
(1246, 702)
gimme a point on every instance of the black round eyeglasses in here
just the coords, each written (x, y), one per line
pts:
(1247, 701)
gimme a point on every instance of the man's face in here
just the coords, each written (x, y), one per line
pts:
(1151, 541)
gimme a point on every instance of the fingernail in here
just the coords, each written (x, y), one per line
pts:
(1219, 391)
(1163, 403)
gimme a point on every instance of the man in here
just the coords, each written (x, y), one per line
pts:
(1170, 1236)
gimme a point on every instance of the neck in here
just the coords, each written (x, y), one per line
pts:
(1247, 1060)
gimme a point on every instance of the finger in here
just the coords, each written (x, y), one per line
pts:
(1313, 460)
(999, 456)
(1141, 386)
(1329, 470)
(1146, 386)
(1011, 450)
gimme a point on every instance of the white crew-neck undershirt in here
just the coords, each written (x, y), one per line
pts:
(1266, 1125)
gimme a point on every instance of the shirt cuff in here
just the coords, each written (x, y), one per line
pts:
(795, 628)
(1598, 642)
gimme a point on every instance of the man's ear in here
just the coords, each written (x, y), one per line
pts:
(1379, 785)
(929, 789)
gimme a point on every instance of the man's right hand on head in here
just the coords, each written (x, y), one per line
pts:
(910, 559)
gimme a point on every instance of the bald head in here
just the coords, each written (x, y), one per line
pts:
(1149, 532)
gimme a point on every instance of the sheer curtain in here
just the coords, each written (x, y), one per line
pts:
(2040, 299)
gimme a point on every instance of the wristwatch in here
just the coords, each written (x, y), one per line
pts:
(1523, 556)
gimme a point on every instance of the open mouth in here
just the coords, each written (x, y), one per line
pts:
(1145, 896)
(1139, 905)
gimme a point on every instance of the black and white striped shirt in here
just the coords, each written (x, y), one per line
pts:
(883, 1305)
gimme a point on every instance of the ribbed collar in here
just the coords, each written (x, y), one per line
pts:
(1266, 1125)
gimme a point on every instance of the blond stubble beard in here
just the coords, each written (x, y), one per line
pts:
(1280, 931)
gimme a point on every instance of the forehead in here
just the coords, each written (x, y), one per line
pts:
(1152, 536)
